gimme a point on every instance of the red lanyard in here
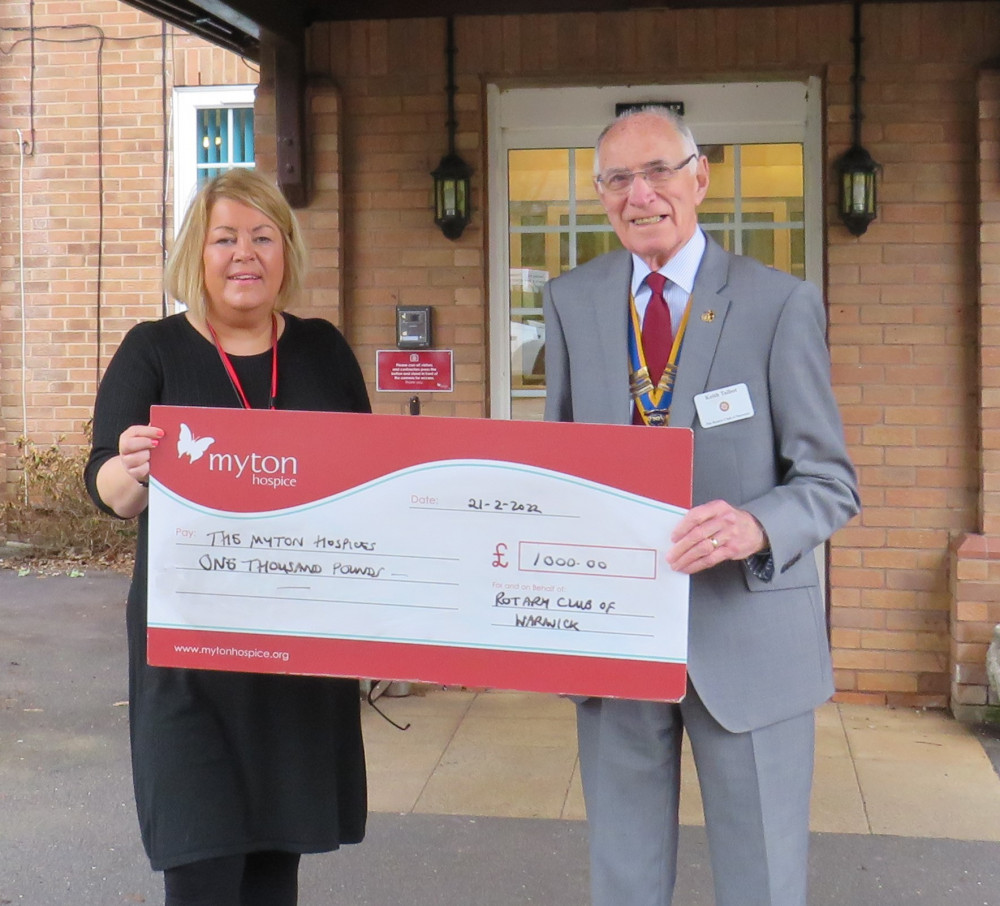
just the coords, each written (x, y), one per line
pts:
(234, 378)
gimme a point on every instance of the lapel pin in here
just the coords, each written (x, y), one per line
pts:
(708, 316)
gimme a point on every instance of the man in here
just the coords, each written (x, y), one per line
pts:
(772, 480)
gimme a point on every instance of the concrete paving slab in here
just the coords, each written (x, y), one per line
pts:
(574, 808)
(500, 779)
(837, 805)
(831, 738)
(914, 800)
(512, 729)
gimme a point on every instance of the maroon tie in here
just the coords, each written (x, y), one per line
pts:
(657, 329)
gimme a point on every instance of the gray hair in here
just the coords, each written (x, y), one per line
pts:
(664, 113)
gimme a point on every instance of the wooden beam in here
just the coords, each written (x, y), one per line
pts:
(334, 10)
(233, 31)
(236, 24)
(288, 66)
(279, 17)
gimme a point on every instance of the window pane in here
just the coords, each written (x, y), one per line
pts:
(718, 225)
(538, 191)
(210, 126)
(722, 175)
(242, 135)
(771, 182)
(760, 187)
(759, 244)
(527, 351)
(538, 176)
(225, 139)
(589, 244)
(556, 223)
(771, 171)
(585, 176)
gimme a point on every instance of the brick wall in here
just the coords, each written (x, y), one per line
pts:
(903, 311)
(902, 299)
(88, 186)
(975, 561)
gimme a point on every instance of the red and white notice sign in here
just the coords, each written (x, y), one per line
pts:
(414, 370)
(512, 555)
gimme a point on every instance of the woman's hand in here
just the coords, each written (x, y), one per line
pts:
(134, 448)
(122, 480)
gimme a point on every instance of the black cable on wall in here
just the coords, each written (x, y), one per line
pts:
(33, 35)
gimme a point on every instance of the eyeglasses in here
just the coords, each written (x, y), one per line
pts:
(659, 173)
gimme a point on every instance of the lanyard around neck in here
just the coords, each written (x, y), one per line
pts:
(231, 371)
(653, 403)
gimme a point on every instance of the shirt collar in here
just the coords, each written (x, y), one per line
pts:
(681, 269)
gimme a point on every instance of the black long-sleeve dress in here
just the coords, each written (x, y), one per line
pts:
(227, 763)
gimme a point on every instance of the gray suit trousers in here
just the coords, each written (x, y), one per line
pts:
(755, 787)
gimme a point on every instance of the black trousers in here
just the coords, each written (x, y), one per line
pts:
(267, 878)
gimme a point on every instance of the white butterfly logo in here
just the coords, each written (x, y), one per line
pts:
(194, 447)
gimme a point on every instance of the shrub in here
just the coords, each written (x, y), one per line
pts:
(59, 519)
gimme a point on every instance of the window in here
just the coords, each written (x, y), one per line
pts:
(225, 140)
(555, 223)
(213, 131)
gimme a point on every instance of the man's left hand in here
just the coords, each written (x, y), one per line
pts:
(711, 533)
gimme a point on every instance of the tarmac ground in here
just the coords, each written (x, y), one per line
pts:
(477, 803)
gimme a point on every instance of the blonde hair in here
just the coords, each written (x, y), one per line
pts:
(184, 275)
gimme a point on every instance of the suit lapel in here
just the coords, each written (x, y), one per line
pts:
(709, 306)
(608, 300)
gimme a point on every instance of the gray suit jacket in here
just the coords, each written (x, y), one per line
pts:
(757, 651)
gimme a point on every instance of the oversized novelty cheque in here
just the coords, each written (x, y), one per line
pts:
(513, 555)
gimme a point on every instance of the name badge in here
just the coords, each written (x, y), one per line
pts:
(727, 404)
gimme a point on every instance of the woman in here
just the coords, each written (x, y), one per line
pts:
(235, 774)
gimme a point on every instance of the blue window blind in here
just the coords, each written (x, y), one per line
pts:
(225, 140)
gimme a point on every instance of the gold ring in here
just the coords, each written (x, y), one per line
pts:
(715, 542)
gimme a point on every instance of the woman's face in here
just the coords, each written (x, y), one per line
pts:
(243, 259)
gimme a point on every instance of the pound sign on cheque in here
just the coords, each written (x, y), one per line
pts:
(498, 556)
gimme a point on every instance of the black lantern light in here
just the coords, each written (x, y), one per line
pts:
(451, 178)
(857, 168)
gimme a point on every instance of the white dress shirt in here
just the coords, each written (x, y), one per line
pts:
(680, 271)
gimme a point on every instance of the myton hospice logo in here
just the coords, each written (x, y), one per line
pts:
(264, 469)
(190, 446)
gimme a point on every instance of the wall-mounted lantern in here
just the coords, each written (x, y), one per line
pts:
(858, 195)
(451, 178)
(451, 195)
(857, 168)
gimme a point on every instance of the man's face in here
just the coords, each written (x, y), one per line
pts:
(652, 221)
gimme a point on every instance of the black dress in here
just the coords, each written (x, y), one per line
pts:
(227, 763)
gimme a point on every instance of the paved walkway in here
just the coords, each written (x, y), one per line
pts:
(898, 772)
(478, 802)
